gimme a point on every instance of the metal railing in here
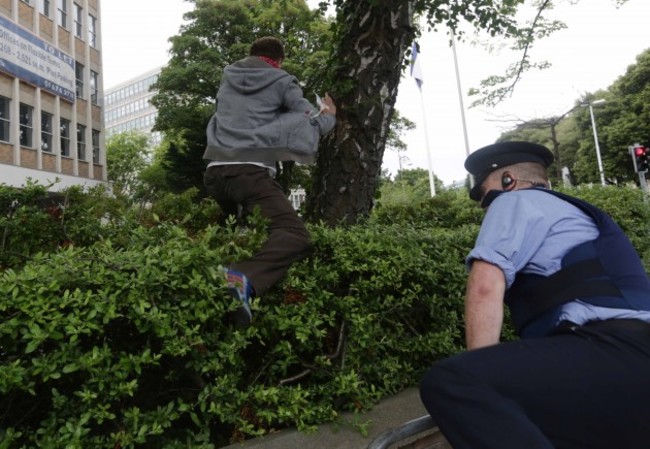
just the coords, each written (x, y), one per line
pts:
(406, 430)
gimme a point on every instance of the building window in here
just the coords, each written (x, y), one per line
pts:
(92, 30)
(79, 75)
(95, 142)
(46, 132)
(44, 7)
(62, 17)
(26, 127)
(65, 137)
(78, 14)
(26, 1)
(81, 142)
(5, 121)
(94, 87)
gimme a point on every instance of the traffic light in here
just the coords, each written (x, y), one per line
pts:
(641, 158)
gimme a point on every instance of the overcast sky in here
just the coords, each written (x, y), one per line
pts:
(600, 43)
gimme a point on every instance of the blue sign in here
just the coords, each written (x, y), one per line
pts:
(35, 61)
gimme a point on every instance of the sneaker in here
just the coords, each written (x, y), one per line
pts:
(240, 288)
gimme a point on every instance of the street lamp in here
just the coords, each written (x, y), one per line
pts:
(593, 126)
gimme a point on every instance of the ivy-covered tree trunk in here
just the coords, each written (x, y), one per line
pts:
(373, 36)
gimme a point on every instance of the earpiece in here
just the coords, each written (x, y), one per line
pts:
(507, 182)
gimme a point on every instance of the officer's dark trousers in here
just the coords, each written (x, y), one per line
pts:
(288, 241)
(582, 388)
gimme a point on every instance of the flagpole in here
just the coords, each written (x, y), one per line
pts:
(460, 100)
(432, 185)
(416, 72)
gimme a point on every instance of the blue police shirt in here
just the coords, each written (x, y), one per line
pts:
(530, 231)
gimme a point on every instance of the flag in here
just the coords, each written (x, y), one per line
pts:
(416, 69)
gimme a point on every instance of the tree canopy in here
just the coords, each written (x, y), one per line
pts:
(371, 41)
(359, 60)
(126, 155)
(622, 120)
(217, 33)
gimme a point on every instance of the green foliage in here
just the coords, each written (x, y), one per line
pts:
(624, 119)
(121, 339)
(408, 187)
(93, 355)
(502, 19)
(186, 210)
(394, 142)
(449, 209)
(218, 33)
(126, 158)
(32, 220)
(621, 121)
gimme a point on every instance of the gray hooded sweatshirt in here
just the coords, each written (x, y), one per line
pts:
(263, 117)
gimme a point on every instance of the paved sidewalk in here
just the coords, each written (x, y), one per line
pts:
(389, 413)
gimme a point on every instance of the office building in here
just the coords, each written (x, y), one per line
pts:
(51, 117)
(127, 107)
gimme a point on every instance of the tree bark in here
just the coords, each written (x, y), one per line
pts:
(366, 70)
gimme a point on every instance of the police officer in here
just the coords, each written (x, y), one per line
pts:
(579, 297)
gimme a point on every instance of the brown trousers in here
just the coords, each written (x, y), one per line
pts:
(249, 186)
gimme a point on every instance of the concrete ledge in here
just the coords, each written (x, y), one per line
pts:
(419, 433)
(432, 439)
(390, 412)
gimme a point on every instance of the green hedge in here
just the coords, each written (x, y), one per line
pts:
(123, 342)
(115, 335)
(448, 209)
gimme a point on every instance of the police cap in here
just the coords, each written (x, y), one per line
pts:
(485, 160)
